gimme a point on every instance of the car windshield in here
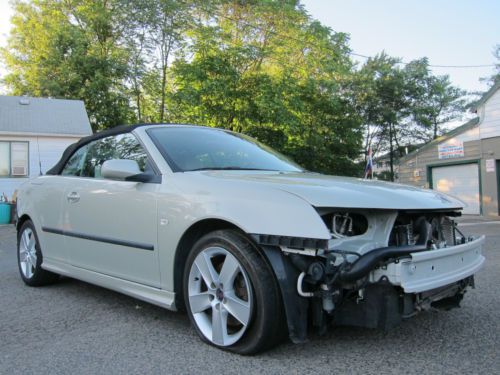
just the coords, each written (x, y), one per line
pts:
(199, 148)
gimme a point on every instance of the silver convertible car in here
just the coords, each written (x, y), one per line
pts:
(251, 245)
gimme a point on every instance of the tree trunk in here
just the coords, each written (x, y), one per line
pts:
(138, 101)
(167, 45)
(163, 86)
(391, 153)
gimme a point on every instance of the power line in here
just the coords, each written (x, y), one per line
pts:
(287, 63)
(432, 65)
(350, 52)
(463, 66)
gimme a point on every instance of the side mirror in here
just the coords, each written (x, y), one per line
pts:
(124, 170)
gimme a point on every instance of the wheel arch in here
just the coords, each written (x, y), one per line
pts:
(187, 241)
(295, 307)
(20, 221)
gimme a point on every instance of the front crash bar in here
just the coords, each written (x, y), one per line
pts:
(427, 270)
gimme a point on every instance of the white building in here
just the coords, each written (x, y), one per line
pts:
(33, 134)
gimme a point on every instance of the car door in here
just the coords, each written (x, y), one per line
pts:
(46, 194)
(111, 226)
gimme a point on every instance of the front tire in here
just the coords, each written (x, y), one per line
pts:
(231, 295)
(29, 257)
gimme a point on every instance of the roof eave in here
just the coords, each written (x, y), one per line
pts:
(488, 94)
(458, 130)
(34, 134)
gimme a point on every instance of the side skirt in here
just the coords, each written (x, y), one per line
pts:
(145, 293)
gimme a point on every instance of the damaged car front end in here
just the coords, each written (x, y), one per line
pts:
(378, 268)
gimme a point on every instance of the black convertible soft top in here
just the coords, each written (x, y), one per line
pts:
(122, 129)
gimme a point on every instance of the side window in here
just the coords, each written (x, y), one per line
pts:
(122, 146)
(74, 165)
(127, 147)
(99, 151)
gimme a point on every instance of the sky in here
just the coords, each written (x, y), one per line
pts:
(5, 14)
(448, 32)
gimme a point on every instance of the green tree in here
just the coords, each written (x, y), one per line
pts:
(270, 71)
(69, 49)
(383, 101)
(495, 77)
(261, 67)
(433, 99)
(404, 104)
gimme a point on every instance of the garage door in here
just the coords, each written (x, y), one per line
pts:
(461, 181)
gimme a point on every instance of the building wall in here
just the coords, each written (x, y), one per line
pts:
(46, 149)
(490, 151)
(480, 143)
(413, 171)
(489, 113)
(483, 150)
(489, 132)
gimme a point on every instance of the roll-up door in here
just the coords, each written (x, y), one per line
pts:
(461, 181)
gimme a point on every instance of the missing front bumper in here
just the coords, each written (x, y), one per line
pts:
(428, 270)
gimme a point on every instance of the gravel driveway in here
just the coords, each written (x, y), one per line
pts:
(74, 327)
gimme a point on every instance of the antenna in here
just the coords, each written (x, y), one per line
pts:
(39, 160)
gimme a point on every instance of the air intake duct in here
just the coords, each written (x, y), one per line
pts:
(363, 265)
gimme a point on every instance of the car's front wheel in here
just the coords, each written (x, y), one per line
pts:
(29, 257)
(231, 295)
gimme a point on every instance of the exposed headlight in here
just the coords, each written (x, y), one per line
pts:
(345, 224)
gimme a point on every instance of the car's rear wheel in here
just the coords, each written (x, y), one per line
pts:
(231, 294)
(29, 257)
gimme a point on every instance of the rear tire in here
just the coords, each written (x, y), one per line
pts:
(29, 257)
(228, 281)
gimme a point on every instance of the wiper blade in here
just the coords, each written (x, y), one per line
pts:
(228, 169)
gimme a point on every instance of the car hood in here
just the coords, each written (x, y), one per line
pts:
(331, 191)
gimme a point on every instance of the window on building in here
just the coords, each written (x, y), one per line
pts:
(14, 159)
(4, 158)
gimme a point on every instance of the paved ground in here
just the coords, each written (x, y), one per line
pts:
(74, 327)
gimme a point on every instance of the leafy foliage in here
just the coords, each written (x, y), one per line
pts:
(66, 49)
(261, 67)
(404, 104)
(244, 79)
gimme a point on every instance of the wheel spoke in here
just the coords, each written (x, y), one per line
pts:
(199, 302)
(27, 269)
(31, 244)
(219, 325)
(238, 308)
(33, 259)
(206, 269)
(229, 270)
(23, 254)
(25, 238)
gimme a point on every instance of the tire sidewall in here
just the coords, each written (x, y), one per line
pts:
(33, 280)
(245, 253)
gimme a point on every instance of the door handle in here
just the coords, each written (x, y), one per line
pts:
(73, 197)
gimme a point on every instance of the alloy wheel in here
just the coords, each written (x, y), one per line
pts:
(27, 253)
(220, 296)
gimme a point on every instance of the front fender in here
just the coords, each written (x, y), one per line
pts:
(253, 209)
(276, 213)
